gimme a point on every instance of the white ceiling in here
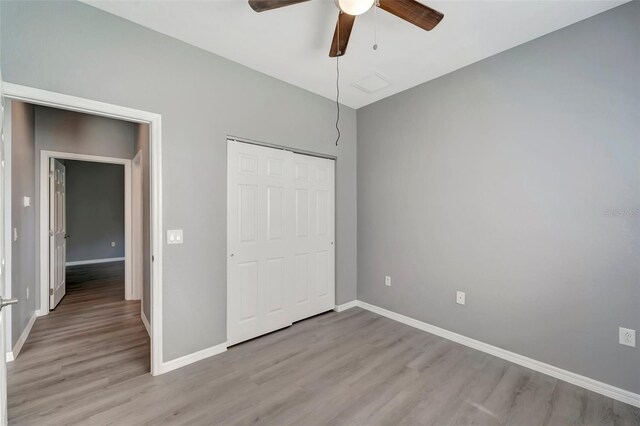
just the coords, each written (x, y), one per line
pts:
(292, 43)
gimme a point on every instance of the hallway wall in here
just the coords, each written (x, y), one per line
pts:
(23, 260)
(95, 210)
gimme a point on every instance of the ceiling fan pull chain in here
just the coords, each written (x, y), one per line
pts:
(338, 81)
(375, 24)
(337, 99)
(339, 52)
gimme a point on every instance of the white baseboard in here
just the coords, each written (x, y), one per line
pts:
(191, 358)
(567, 376)
(12, 355)
(145, 321)
(345, 306)
(92, 261)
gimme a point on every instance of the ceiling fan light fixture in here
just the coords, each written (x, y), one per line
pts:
(354, 7)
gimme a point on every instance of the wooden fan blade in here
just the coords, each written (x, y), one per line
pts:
(262, 5)
(414, 12)
(345, 24)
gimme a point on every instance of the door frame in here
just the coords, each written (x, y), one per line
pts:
(89, 106)
(137, 233)
(45, 212)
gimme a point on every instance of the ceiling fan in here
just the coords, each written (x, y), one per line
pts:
(409, 10)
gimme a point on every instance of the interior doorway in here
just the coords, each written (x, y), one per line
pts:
(54, 235)
(153, 278)
(88, 223)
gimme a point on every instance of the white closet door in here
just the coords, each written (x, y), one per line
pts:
(260, 222)
(314, 248)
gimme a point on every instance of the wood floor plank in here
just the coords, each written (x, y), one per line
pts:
(88, 362)
(91, 340)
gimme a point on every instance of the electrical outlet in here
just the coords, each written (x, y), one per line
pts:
(460, 297)
(627, 337)
(387, 281)
(174, 236)
(113, 243)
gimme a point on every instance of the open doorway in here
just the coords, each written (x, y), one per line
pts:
(73, 262)
(86, 218)
(87, 212)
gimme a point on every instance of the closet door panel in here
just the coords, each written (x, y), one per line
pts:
(259, 234)
(280, 239)
(314, 236)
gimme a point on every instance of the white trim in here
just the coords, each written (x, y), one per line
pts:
(45, 157)
(88, 106)
(23, 338)
(137, 225)
(194, 357)
(7, 220)
(155, 145)
(92, 261)
(345, 306)
(567, 376)
(128, 271)
(145, 321)
(73, 103)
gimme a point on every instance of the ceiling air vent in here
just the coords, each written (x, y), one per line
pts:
(372, 83)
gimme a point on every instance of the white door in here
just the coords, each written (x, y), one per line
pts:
(57, 233)
(280, 239)
(314, 252)
(260, 218)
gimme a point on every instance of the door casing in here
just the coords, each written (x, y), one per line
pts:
(45, 158)
(137, 234)
(103, 109)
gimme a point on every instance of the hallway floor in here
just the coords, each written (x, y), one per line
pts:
(93, 340)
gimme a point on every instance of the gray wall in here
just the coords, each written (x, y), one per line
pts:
(23, 260)
(95, 210)
(498, 180)
(73, 48)
(142, 146)
(69, 131)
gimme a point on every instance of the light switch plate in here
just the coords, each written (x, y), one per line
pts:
(460, 297)
(26, 201)
(174, 236)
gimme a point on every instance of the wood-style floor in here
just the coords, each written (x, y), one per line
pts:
(94, 339)
(349, 368)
